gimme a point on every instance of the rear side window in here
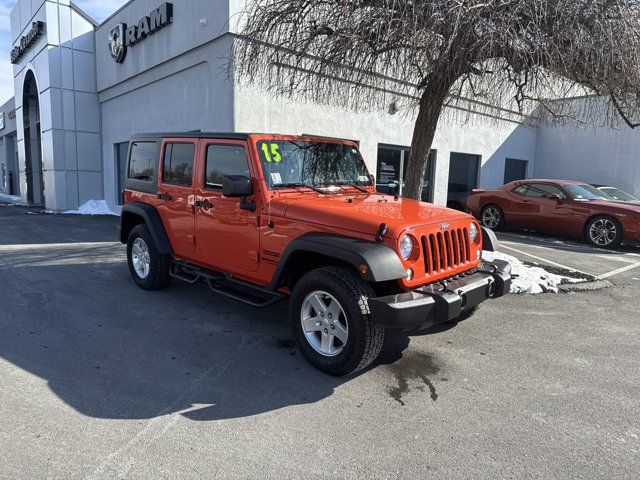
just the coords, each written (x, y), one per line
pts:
(521, 190)
(142, 161)
(222, 161)
(177, 165)
(543, 190)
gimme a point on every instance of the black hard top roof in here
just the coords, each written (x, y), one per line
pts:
(224, 135)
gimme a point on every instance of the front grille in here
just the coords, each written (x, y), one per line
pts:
(446, 250)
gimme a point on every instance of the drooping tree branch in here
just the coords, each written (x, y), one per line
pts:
(364, 54)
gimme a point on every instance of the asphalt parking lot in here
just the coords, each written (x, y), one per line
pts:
(617, 266)
(101, 380)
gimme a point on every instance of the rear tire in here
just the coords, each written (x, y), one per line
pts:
(603, 231)
(331, 322)
(492, 217)
(148, 267)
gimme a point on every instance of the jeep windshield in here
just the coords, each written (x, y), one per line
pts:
(317, 165)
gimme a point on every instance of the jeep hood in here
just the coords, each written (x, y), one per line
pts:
(364, 214)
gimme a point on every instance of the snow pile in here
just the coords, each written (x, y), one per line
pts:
(10, 198)
(530, 279)
(93, 207)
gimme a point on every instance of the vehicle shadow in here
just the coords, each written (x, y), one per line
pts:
(111, 350)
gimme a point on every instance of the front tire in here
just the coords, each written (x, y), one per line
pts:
(331, 323)
(148, 267)
(492, 217)
(604, 232)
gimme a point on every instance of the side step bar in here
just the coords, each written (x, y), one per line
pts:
(225, 284)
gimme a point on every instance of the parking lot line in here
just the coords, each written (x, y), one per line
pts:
(545, 260)
(619, 270)
(54, 246)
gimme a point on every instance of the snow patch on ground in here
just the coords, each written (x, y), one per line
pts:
(10, 198)
(93, 207)
(528, 279)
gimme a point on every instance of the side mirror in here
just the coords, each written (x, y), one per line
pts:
(239, 186)
(554, 196)
(236, 186)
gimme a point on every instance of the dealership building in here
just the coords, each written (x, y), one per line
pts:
(82, 89)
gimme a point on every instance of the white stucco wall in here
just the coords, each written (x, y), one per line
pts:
(494, 140)
(597, 155)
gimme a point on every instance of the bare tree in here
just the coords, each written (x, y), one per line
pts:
(365, 54)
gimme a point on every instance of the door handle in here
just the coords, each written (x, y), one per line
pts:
(164, 196)
(203, 204)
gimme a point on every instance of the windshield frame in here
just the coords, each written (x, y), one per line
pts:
(337, 187)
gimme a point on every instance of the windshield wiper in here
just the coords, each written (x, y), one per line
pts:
(297, 185)
(351, 184)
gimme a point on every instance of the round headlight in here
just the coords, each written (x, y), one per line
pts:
(406, 247)
(473, 232)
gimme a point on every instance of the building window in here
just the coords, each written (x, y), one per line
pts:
(3, 175)
(142, 164)
(392, 168)
(222, 161)
(177, 166)
(463, 172)
(121, 166)
(514, 170)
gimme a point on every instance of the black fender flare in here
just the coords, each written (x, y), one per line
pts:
(153, 221)
(489, 240)
(383, 263)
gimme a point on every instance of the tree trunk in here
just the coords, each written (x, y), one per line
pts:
(431, 104)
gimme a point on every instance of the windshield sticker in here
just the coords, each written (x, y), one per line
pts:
(363, 178)
(276, 178)
(272, 152)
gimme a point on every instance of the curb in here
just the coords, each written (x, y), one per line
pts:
(585, 286)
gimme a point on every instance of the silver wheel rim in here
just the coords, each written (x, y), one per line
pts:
(140, 258)
(324, 323)
(603, 232)
(491, 217)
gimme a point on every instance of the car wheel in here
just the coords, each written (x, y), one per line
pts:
(604, 231)
(149, 268)
(330, 321)
(492, 217)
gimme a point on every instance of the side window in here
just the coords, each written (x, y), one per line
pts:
(542, 190)
(142, 161)
(224, 160)
(521, 190)
(177, 165)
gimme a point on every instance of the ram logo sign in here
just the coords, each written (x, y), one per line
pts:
(122, 36)
(116, 43)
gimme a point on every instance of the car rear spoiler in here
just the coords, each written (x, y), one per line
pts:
(477, 190)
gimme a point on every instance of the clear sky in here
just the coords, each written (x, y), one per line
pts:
(98, 9)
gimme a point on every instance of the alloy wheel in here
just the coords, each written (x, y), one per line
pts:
(140, 258)
(603, 232)
(491, 217)
(324, 323)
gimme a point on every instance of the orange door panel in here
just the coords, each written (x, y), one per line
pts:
(227, 235)
(175, 189)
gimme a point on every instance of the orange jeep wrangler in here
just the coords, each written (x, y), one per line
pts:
(262, 217)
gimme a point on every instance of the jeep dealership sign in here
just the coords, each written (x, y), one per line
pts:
(122, 36)
(37, 29)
